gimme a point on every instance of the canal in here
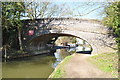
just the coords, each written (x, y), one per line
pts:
(40, 66)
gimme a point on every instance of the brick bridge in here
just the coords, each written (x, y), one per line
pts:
(37, 33)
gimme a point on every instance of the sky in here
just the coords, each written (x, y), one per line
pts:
(92, 10)
(88, 10)
(95, 9)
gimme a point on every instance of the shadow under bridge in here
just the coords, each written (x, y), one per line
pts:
(41, 42)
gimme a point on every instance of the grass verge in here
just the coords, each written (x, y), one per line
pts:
(59, 71)
(107, 62)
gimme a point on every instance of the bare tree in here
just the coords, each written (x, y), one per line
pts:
(36, 10)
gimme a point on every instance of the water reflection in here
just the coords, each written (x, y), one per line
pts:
(31, 67)
(60, 54)
(40, 66)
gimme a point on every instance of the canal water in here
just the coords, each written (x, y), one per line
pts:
(40, 66)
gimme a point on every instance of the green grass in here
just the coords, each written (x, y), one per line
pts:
(107, 62)
(60, 72)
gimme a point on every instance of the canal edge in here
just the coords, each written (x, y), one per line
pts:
(49, 78)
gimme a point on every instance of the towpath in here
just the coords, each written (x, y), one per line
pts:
(80, 67)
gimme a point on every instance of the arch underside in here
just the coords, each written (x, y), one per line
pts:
(96, 41)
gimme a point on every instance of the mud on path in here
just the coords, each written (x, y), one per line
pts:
(80, 67)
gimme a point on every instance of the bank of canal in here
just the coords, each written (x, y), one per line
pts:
(59, 71)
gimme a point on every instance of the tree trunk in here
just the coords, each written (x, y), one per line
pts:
(5, 52)
(19, 38)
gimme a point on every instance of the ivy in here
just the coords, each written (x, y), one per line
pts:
(112, 19)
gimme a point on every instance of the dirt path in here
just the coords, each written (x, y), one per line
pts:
(79, 67)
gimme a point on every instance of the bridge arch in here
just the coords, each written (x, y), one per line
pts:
(91, 31)
(97, 45)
